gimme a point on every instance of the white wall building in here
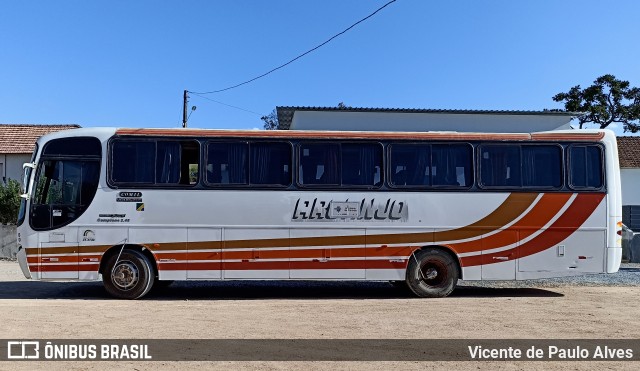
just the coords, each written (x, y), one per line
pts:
(391, 119)
(629, 153)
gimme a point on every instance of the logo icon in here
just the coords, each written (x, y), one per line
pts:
(139, 206)
(89, 235)
(23, 350)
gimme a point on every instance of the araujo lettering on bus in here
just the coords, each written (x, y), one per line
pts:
(366, 209)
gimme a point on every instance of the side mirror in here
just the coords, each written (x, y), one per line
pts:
(27, 168)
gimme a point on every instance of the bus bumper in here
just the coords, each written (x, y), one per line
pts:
(22, 260)
(614, 258)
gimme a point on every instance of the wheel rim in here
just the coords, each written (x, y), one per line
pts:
(125, 275)
(433, 273)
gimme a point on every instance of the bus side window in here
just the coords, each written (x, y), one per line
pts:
(542, 166)
(131, 160)
(410, 165)
(452, 165)
(586, 167)
(500, 165)
(227, 163)
(270, 163)
(361, 164)
(177, 162)
(319, 164)
(168, 162)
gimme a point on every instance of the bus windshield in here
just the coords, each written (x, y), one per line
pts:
(66, 181)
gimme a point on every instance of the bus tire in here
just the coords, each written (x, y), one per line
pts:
(130, 276)
(432, 273)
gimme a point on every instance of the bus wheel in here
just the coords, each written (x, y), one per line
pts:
(432, 273)
(129, 277)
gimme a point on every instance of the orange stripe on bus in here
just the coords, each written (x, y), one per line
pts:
(592, 137)
(548, 207)
(64, 268)
(310, 134)
(61, 259)
(583, 206)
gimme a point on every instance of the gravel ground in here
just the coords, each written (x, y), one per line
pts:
(628, 275)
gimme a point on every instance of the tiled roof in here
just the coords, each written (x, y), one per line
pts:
(285, 114)
(21, 138)
(629, 152)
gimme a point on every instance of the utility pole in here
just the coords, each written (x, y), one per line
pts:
(185, 102)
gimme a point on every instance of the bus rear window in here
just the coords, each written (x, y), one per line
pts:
(525, 166)
(585, 167)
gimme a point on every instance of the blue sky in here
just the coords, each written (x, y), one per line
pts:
(126, 63)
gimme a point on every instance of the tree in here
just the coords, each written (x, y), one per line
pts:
(607, 101)
(9, 202)
(271, 121)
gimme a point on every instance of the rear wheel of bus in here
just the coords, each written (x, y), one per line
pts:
(129, 275)
(432, 273)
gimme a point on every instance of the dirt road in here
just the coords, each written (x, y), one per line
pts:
(313, 311)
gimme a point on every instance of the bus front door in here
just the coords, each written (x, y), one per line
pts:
(58, 254)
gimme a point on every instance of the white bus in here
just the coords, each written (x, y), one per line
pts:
(144, 207)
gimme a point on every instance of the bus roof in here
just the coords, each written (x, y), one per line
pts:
(103, 133)
(561, 135)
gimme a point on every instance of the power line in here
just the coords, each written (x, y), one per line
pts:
(299, 56)
(225, 104)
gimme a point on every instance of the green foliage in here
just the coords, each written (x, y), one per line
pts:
(608, 100)
(271, 121)
(9, 202)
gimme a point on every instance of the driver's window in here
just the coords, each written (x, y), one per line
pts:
(63, 190)
(59, 182)
(71, 183)
(48, 186)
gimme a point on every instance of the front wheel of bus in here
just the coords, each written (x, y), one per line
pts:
(432, 273)
(129, 276)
